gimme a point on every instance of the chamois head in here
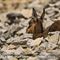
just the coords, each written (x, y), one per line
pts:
(35, 24)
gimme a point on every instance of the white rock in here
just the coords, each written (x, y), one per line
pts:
(10, 47)
(12, 58)
(55, 52)
(18, 51)
(28, 51)
(35, 42)
(51, 46)
(43, 55)
(44, 45)
(53, 38)
(32, 58)
(47, 23)
(22, 31)
(4, 48)
(10, 40)
(9, 52)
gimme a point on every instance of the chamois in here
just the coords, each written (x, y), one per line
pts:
(36, 25)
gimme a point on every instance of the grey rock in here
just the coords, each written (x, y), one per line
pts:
(14, 28)
(43, 55)
(43, 45)
(2, 40)
(21, 32)
(10, 40)
(51, 46)
(16, 40)
(19, 51)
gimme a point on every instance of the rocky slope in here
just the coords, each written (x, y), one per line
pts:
(15, 43)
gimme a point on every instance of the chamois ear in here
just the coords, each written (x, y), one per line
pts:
(43, 14)
(34, 14)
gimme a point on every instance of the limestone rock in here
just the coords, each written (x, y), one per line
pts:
(18, 51)
(36, 42)
(33, 58)
(53, 38)
(12, 58)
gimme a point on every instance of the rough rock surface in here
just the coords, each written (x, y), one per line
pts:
(15, 43)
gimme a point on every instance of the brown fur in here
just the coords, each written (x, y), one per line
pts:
(36, 26)
(54, 27)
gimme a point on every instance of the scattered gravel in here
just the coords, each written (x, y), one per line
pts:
(15, 43)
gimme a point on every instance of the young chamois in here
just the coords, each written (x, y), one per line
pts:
(36, 26)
